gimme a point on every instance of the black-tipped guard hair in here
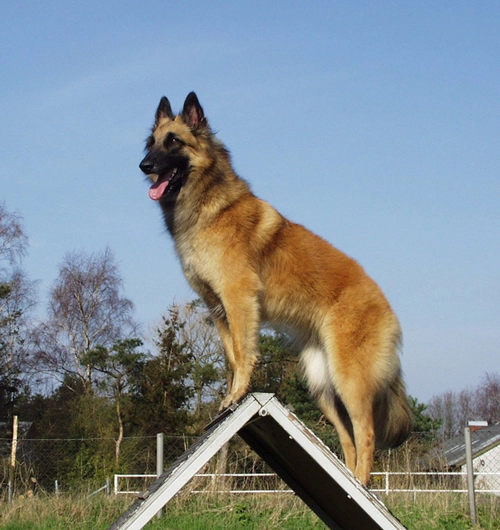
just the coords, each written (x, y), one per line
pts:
(164, 110)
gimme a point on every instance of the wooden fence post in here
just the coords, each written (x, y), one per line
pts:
(13, 452)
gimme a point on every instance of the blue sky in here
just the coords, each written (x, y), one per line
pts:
(374, 124)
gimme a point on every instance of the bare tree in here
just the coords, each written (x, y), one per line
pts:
(86, 309)
(456, 409)
(466, 409)
(13, 239)
(17, 297)
(203, 343)
(21, 297)
(488, 398)
(444, 407)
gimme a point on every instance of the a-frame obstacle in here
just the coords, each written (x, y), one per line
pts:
(291, 449)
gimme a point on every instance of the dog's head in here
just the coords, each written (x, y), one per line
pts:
(173, 148)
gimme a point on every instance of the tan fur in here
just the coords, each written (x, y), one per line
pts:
(251, 265)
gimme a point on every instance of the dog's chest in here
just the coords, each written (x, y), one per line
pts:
(190, 267)
(199, 260)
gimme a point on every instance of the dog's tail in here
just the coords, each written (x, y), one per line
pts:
(393, 417)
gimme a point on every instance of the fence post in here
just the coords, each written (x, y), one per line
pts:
(159, 461)
(13, 451)
(470, 475)
(108, 486)
(57, 488)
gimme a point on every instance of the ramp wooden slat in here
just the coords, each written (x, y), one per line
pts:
(295, 454)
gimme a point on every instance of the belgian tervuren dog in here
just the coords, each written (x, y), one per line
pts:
(251, 265)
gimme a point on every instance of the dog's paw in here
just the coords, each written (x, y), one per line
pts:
(226, 403)
(231, 400)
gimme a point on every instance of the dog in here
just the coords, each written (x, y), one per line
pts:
(251, 266)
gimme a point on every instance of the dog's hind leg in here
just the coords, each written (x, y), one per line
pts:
(364, 435)
(335, 412)
(346, 399)
(352, 417)
(358, 397)
(316, 369)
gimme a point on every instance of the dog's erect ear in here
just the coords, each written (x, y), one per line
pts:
(192, 113)
(164, 110)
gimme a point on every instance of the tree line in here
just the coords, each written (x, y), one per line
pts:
(85, 370)
(455, 409)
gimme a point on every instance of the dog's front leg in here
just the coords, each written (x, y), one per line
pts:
(239, 332)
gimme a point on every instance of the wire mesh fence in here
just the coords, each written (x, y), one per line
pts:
(84, 465)
(81, 465)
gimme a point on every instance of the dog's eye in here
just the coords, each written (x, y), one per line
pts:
(172, 140)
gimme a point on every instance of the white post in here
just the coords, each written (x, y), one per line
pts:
(470, 475)
(159, 461)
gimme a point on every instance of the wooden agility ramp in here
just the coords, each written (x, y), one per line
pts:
(315, 474)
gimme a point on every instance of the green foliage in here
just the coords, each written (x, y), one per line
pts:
(163, 389)
(295, 393)
(423, 422)
(121, 365)
(5, 290)
(277, 362)
(10, 383)
(10, 390)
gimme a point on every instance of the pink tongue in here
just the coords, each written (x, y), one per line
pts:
(158, 188)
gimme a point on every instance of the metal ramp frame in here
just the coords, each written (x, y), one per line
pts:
(302, 460)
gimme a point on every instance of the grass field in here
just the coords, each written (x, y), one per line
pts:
(441, 512)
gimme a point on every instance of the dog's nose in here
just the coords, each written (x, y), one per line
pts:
(147, 166)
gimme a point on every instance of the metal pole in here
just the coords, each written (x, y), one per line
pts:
(159, 461)
(108, 486)
(470, 475)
